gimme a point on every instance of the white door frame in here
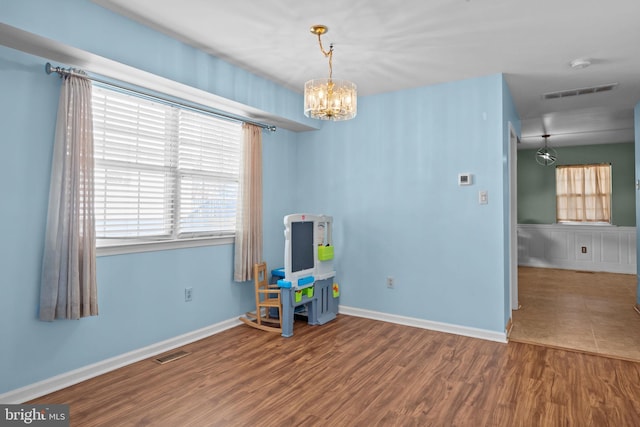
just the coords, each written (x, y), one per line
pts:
(513, 216)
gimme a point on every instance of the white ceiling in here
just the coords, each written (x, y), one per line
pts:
(385, 46)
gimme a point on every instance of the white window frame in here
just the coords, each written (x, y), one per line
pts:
(180, 164)
(583, 195)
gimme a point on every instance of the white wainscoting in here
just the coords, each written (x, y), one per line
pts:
(608, 248)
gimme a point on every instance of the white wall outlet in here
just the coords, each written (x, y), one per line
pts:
(391, 282)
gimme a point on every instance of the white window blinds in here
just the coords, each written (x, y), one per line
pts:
(162, 172)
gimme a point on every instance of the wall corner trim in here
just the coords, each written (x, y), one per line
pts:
(70, 378)
(426, 324)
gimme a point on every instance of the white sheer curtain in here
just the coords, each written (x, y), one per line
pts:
(583, 193)
(248, 246)
(68, 286)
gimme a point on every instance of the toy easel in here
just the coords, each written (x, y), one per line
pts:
(308, 270)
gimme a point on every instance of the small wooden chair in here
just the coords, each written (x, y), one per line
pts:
(267, 298)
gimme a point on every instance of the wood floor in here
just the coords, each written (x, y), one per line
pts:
(590, 312)
(360, 372)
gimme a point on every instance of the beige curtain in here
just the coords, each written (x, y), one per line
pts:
(583, 193)
(68, 285)
(248, 246)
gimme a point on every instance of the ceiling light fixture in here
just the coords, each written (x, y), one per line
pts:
(329, 99)
(546, 156)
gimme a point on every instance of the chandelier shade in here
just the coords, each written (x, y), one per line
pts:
(329, 99)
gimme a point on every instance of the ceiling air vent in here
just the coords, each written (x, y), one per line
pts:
(581, 91)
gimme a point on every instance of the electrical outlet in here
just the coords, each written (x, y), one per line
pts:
(390, 282)
(584, 249)
(188, 294)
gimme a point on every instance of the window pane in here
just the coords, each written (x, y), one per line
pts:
(583, 193)
(209, 145)
(162, 172)
(207, 205)
(132, 203)
(131, 130)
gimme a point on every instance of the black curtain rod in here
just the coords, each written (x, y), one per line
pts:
(72, 71)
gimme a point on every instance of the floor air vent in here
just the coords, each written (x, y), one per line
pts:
(581, 91)
(171, 357)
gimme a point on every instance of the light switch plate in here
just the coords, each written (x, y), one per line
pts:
(483, 197)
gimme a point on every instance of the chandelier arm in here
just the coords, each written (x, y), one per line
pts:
(327, 54)
(324, 52)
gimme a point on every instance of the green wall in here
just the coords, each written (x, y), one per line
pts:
(536, 184)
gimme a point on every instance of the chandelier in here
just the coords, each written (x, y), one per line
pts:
(329, 99)
(546, 156)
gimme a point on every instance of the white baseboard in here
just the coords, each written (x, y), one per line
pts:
(596, 268)
(426, 324)
(67, 379)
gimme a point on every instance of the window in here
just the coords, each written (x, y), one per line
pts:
(162, 172)
(583, 193)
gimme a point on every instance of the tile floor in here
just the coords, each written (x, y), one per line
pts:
(584, 311)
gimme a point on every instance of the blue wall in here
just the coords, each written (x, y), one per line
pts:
(389, 178)
(84, 25)
(141, 296)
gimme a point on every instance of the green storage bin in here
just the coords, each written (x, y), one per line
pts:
(325, 253)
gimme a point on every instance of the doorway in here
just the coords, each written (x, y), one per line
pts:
(574, 309)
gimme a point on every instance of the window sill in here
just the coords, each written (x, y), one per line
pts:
(585, 223)
(121, 248)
